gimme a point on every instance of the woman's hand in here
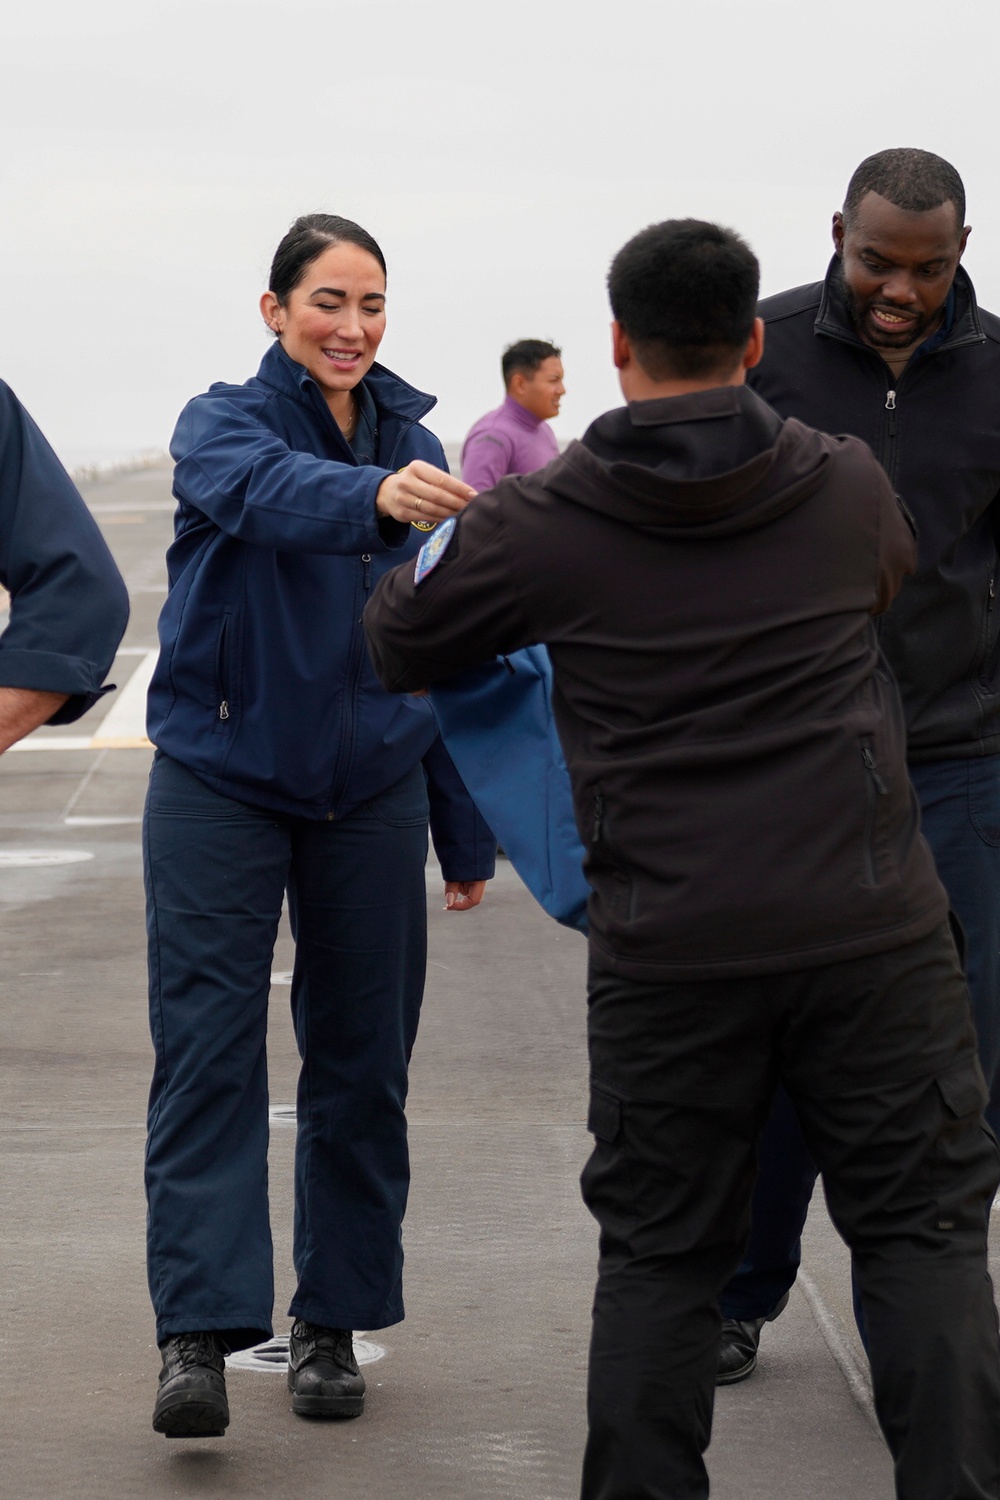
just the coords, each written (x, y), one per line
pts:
(463, 895)
(420, 492)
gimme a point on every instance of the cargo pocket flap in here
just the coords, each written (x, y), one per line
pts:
(963, 1090)
(604, 1117)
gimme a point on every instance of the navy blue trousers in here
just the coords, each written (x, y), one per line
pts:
(960, 818)
(216, 873)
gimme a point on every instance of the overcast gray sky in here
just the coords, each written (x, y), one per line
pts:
(156, 150)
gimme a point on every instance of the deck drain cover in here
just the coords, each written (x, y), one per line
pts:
(281, 1114)
(21, 859)
(272, 1358)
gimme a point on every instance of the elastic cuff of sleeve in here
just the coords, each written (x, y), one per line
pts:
(482, 870)
(393, 533)
(47, 672)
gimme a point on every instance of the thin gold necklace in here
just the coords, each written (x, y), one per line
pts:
(352, 425)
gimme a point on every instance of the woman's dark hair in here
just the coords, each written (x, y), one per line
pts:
(685, 292)
(308, 237)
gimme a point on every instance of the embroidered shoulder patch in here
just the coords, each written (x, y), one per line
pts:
(433, 550)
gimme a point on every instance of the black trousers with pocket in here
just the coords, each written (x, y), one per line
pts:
(879, 1057)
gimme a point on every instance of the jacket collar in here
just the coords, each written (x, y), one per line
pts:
(392, 396)
(695, 406)
(834, 320)
(521, 415)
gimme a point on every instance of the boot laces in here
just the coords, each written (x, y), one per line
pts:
(334, 1342)
(198, 1349)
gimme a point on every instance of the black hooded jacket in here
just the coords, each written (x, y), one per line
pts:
(936, 430)
(705, 578)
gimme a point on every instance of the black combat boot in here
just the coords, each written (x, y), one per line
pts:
(323, 1375)
(191, 1401)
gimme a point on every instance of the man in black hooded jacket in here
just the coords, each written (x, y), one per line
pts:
(763, 905)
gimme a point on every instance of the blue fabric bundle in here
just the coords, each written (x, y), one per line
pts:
(497, 724)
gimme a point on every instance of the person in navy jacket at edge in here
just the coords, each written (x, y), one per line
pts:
(283, 766)
(68, 604)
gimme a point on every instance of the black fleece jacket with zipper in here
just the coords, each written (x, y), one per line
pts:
(705, 577)
(936, 431)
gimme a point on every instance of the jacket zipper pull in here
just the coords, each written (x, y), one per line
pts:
(224, 709)
(872, 765)
(890, 406)
(598, 817)
(366, 559)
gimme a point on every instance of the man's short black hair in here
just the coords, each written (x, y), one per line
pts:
(526, 355)
(915, 180)
(685, 293)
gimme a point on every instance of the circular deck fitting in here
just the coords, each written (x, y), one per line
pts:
(271, 1358)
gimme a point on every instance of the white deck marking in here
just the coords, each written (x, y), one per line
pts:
(53, 742)
(131, 507)
(857, 1375)
(23, 859)
(98, 822)
(123, 726)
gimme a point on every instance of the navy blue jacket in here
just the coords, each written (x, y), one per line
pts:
(263, 687)
(936, 431)
(69, 606)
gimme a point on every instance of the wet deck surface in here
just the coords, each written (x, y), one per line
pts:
(479, 1393)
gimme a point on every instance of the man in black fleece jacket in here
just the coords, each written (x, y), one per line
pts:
(763, 905)
(893, 347)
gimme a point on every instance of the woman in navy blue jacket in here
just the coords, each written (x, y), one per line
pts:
(283, 766)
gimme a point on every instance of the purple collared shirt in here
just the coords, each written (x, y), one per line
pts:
(509, 440)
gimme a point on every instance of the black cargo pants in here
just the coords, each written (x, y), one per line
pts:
(879, 1056)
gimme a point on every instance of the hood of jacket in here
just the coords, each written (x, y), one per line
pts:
(749, 466)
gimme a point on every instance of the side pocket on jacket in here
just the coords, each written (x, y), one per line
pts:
(223, 672)
(605, 856)
(875, 791)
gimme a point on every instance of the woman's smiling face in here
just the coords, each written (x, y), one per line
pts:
(333, 321)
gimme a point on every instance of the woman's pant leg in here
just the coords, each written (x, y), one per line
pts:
(357, 900)
(215, 872)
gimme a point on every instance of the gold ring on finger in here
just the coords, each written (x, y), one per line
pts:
(417, 504)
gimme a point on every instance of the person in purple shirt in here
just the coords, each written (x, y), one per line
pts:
(516, 437)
